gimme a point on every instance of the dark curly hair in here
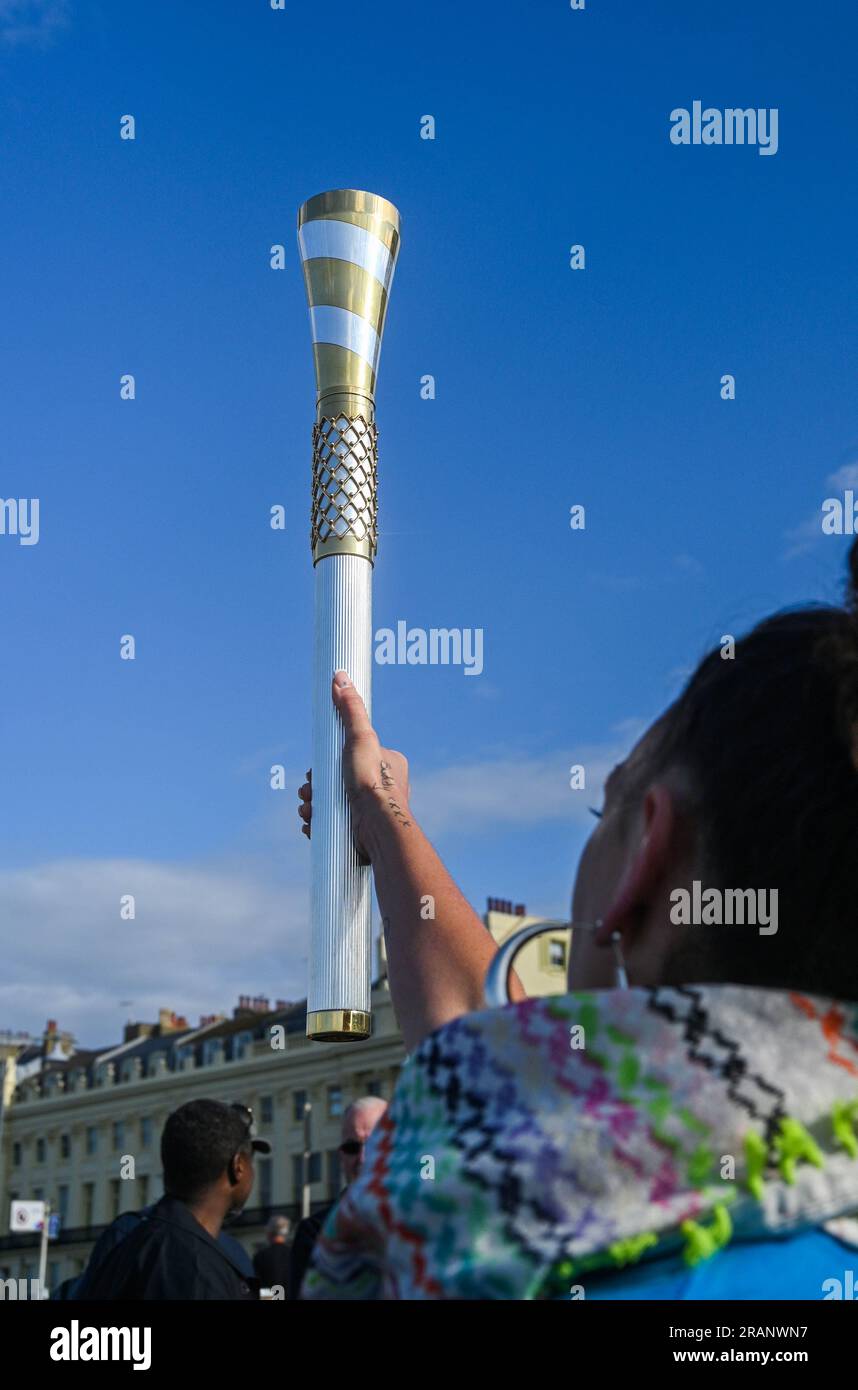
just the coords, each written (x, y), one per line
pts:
(198, 1143)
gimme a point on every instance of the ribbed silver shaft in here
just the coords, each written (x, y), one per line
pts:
(342, 889)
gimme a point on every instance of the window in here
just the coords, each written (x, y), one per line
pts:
(114, 1199)
(65, 1146)
(88, 1203)
(38, 1194)
(263, 1174)
(91, 1142)
(335, 1177)
(118, 1132)
(335, 1101)
(16, 1154)
(266, 1110)
(552, 955)
(63, 1204)
(40, 1150)
(146, 1132)
(299, 1100)
(375, 1088)
(298, 1173)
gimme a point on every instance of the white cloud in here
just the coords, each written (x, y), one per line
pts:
(32, 21)
(845, 477)
(689, 564)
(202, 935)
(470, 798)
(807, 534)
(206, 932)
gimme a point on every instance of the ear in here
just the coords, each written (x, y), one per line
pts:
(647, 866)
(232, 1170)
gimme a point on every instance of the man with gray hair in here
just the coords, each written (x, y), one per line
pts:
(271, 1263)
(359, 1120)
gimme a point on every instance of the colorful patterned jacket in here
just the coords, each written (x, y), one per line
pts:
(528, 1148)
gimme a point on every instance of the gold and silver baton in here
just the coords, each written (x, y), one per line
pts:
(349, 241)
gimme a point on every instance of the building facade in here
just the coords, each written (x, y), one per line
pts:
(541, 964)
(81, 1129)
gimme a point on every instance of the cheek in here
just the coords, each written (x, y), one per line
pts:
(600, 872)
(586, 879)
(589, 966)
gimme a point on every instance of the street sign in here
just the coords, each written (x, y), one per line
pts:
(27, 1216)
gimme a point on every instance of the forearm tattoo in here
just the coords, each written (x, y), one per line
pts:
(398, 813)
(387, 782)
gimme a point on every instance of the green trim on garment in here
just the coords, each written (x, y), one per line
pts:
(757, 1158)
(792, 1145)
(626, 1252)
(844, 1117)
(702, 1242)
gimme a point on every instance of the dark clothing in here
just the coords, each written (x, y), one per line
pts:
(169, 1256)
(271, 1266)
(302, 1247)
(107, 1241)
(116, 1233)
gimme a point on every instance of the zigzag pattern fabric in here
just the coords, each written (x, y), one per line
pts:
(527, 1146)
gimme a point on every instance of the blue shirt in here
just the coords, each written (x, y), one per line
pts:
(792, 1267)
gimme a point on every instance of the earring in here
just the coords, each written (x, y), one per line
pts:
(621, 979)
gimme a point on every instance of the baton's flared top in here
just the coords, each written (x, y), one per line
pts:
(349, 243)
(353, 204)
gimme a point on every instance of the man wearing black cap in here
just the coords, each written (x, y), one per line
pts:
(207, 1153)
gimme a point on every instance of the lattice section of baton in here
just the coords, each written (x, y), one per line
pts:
(345, 476)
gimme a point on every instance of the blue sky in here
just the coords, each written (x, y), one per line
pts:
(554, 387)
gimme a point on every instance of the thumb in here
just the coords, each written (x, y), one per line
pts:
(350, 705)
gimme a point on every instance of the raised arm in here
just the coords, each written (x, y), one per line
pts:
(438, 950)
